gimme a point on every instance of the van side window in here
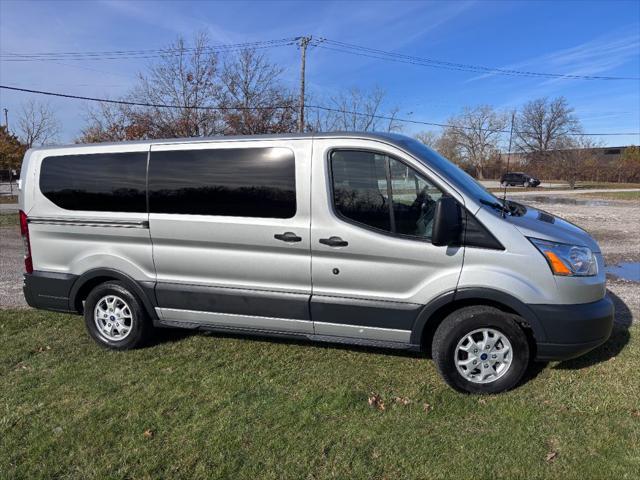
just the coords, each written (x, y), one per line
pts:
(242, 182)
(381, 192)
(105, 182)
(414, 200)
(360, 187)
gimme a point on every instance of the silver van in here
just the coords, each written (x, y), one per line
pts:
(367, 239)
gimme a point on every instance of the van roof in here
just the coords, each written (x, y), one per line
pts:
(393, 138)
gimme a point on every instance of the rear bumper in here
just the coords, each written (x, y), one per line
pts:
(572, 330)
(48, 290)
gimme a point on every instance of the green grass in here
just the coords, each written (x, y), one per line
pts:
(579, 186)
(225, 407)
(8, 219)
(591, 185)
(9, 199)
(615, 195)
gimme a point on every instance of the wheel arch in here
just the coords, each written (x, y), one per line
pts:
(86, 282)
(438, 309)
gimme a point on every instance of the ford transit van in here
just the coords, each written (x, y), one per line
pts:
(367, 239)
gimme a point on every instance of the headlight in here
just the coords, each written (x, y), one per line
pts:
(567, 260)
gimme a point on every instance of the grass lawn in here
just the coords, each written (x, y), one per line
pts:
(8, 219)
(211, 406)
(8, 199)
(615, 195)
(579, 186)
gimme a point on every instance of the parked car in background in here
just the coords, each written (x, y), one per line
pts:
(518, 178)
(224, 233)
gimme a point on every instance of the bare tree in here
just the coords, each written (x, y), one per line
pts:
(443, 143)
(37, 124)
(429, 138)
(113, 123)
(187, 78)
(545, 125)
(355, 110)
(476, 134)
(570, 161)
(251, 89)
(629, 165)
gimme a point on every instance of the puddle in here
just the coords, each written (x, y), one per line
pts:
(561, 200)
(624, 271)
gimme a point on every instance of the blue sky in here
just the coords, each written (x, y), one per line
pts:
(573, 37)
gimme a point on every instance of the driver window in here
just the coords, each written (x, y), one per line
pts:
(360, 187)
(381, 192)
(414, 200)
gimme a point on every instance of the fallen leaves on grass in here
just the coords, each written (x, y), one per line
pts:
(375, 401)
(552, 454)
(148, 433)
(636, 413)
(402, 400)
(427, 407)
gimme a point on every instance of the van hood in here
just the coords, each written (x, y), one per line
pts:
(540, 224)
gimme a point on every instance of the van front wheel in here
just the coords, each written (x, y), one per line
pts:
(480, 349)
(115, 318)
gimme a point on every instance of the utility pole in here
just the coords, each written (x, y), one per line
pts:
(303, 42)
(6, 118)
(504, 195)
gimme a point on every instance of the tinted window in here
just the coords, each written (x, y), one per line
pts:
(414, 200)
(106, 182)
(243, 182)
(360, 187)
(383, 193)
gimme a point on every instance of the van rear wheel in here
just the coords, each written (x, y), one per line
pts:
(480, 349)
(115, 318)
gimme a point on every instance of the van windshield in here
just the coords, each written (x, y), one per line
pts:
(452, 172)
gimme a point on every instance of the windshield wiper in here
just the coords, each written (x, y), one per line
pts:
(516, 208)
(496, 205)
(510, 207)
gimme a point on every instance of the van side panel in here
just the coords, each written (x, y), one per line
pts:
(375, 285)
(71, 242)
(232, 252)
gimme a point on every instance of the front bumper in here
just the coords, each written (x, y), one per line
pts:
(573, 330)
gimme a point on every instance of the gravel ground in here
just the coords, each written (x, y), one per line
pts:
(11, 268)
(614, 224)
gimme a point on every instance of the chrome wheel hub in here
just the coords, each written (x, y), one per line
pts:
(483, 355)
(113, 318)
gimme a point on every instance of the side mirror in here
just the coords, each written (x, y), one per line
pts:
(447, 223)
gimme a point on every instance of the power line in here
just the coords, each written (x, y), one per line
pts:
(353, 49)
(141, 54)
(141, 104)
(325, 43)
(273, 107)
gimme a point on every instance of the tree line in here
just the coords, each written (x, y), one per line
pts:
(244, 93)
(547, 141)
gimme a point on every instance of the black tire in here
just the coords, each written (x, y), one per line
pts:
(140, 324)
(460, 324)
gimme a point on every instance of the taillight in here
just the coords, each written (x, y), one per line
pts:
(24, 230)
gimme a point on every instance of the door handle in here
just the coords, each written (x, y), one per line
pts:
(288, 237)
(334, 242)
